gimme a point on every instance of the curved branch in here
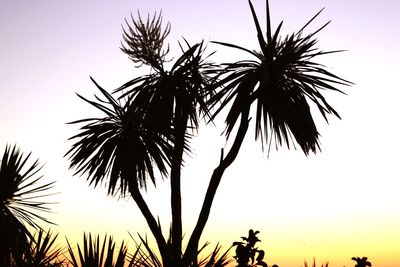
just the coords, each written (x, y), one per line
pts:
(190, 253)
(151, 221)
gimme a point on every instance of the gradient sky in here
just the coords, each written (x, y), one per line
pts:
(340, 203)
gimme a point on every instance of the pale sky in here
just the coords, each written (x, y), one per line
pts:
(340, 203)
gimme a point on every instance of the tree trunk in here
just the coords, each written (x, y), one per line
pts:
(180, 124)
(152, 223)
(191, 250)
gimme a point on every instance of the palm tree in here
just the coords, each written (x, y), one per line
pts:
(21, 204)
(281, 80)
(169, 100)
(150, 124)
(160, 112)
(104, 149)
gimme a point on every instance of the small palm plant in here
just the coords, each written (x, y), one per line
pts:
(21, 203)
(361, 262)
(43, 251)
(94, 253)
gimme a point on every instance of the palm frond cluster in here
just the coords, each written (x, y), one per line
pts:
(43, 251)
(22, 202)
(96, 253)
(281, 80)
(105, 147)
(158, 96)
(143, 119)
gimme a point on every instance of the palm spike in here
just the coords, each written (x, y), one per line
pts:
(316, 15)
(269, 35)
(259, 32)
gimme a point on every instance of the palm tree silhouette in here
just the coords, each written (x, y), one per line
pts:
(104, 149)
(170, 101)
(153, 122)
(149, 126)
(21, 204)
(280, 80)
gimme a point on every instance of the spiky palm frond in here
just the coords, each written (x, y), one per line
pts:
(121, 146)
(216, 258)
(144, 255)
(21, 199)
(43, 251)
(282, 80)
(94, 253)
(145, 41)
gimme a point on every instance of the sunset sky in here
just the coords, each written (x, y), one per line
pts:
(342, 202)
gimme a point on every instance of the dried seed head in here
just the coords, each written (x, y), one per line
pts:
(144, 41)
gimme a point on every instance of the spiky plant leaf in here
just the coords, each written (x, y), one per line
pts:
(144, 254)
(216, 258)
